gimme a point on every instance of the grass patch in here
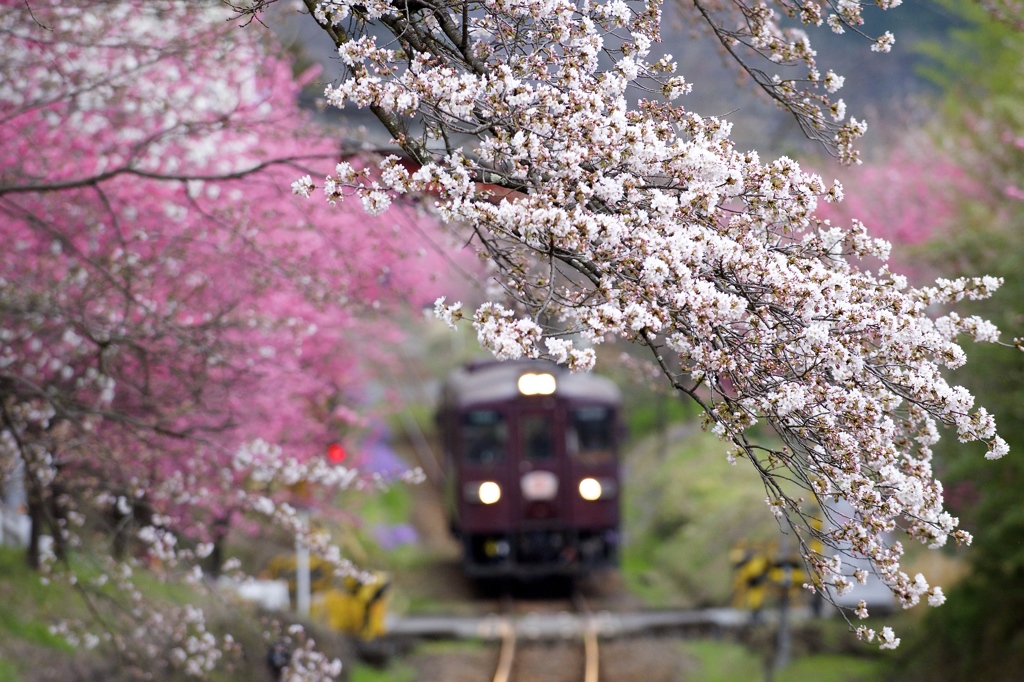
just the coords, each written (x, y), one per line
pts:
(8, 671)
(28, 608)
(31, 631)
(732, 662)
(723, 662)
(454, 646)
(400, 671)
(393, 672)
(27, 605)
(833, 668)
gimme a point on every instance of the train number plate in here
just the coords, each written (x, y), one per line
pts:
(539, 485)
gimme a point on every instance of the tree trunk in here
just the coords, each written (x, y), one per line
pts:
(35, 516)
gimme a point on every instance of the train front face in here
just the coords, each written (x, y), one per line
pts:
(533, 463)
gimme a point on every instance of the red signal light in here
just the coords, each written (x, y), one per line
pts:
(335, 453)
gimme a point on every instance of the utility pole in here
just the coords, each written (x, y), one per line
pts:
(302, 587)
(784, 636)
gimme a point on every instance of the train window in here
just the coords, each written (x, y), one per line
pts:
(589, 437)
(538, 443)
(485, 436)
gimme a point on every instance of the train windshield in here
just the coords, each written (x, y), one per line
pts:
(538, 442)
(590, 436)
(485, 436)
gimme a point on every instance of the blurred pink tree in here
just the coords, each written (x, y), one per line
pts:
(907, 196)
(175, 326)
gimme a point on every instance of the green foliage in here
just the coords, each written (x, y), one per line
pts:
(979, 60)
(389, 506)
(979, 632)
(958, 51)
(977, 635)
(684, 510)
(980, 67)
(647, 415)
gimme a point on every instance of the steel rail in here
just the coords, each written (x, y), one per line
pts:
(591, 656)
(506, 657)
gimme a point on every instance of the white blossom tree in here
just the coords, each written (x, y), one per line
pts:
(553, 134)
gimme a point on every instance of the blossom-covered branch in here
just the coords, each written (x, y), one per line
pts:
(630, 216)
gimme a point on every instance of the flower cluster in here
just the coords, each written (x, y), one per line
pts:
(305, 663)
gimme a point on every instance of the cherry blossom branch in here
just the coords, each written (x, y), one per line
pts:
(643, 222)
(296, 162)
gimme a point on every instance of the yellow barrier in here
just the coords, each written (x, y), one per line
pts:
(759, 571)
(347, 605)
(356, 608)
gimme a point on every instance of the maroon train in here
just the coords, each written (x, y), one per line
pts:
(533, 468)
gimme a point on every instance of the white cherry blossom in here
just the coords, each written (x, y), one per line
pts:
(605, 216)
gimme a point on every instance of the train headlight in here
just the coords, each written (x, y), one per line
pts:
(490, 492)
(487, 492)
(590, 489)
(537, 384)
(597, 489)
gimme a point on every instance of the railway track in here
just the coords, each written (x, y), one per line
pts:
(507, 627)
(591, 656)
(507, 655)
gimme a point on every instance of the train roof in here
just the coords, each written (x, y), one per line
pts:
(492, 381)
